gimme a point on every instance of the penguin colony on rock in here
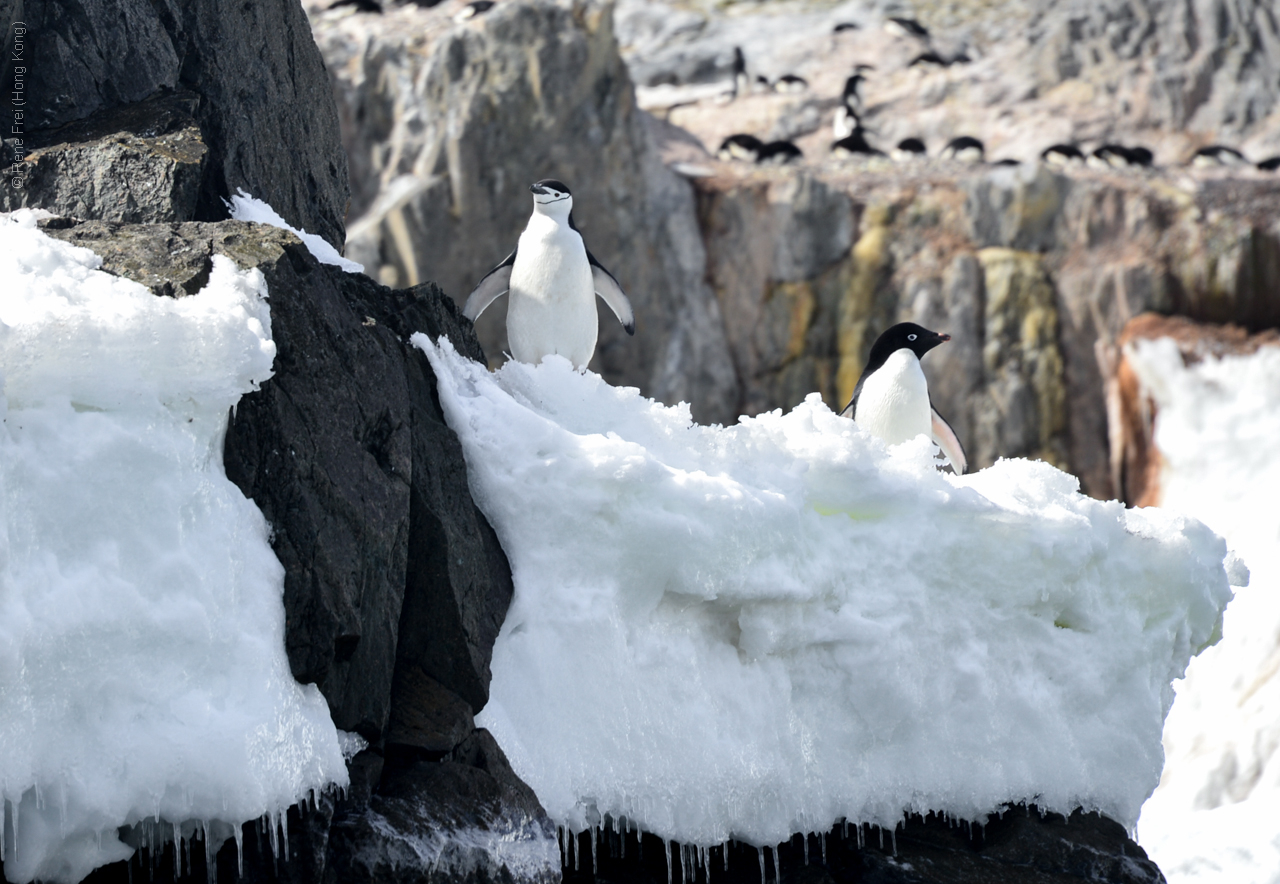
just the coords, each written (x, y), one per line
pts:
(849, 134)
(552, 280)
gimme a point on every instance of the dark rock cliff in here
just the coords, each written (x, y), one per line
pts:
(255, 112)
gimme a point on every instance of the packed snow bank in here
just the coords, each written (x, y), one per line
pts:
(756, 630)
(1216, 815)
(142, 664)
(244, 207)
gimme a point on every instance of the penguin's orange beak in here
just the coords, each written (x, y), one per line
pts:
(944, 338)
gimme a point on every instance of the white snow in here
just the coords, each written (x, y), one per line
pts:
(244, 207)
(755, 630)
(142, 664)
(1216, 815)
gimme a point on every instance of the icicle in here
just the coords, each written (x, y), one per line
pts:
(846, 829)
(881, 830)
(670, 859)
(284, 831)
(861, 840)
(684, 864)
(595, 836)
(577, 852)
(823, 842)
(626, 824)
(209, 865)
(893, 836)
(563, 838)
(16, 805)
(724, 849)
(4, 819)
(806, 848)
(275, 838)
(177, 851)
(761, 850)
(239, 834)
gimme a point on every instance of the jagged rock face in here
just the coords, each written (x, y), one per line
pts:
(141, 163)
(447, 126)
(269, 128)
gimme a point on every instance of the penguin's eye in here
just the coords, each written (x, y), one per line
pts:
(911, 337)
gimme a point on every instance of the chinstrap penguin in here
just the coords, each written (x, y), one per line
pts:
(892, 397)
(553, 280)
(1270, 164)
(906, 27)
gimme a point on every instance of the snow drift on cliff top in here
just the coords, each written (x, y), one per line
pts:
(142, 663)
(1216, 815)
(755, 630)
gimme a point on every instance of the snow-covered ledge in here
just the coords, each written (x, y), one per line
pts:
(749, 631)
(143, 673)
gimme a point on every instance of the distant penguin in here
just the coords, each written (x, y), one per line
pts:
(358, 5)
(843, 26)
(778, 153)
(552, 279)
(892, 397)
(1110, 156)
(965, 148)
(473, 9)
(1007, 161)
(906, 27)
(790, 83)
(740, 147)
(1270, 164)
(1141, 156)
(928, 59)
(908, 149)
(849, 95)
(1218, 155)
(1062, 155)
(741, 82)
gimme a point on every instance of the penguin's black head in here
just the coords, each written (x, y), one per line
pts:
(546, 185)
(551, 197)
(904, 335)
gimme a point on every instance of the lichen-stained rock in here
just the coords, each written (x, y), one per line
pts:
(447, 125)
(1026, 414)
(139, 163)
(265, 112)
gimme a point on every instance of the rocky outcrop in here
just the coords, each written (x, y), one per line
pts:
(1017, 846)
(395, 585)
(105, 138)
(447, 125)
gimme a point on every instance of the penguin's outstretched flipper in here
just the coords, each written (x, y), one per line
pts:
(493, 286)
(608, 289)
(947, 440)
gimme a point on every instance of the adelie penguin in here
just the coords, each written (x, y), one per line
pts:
(552, 280)
(892, 401)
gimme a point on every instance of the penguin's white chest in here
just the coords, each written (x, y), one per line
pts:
(551, 307)
(894, 403)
